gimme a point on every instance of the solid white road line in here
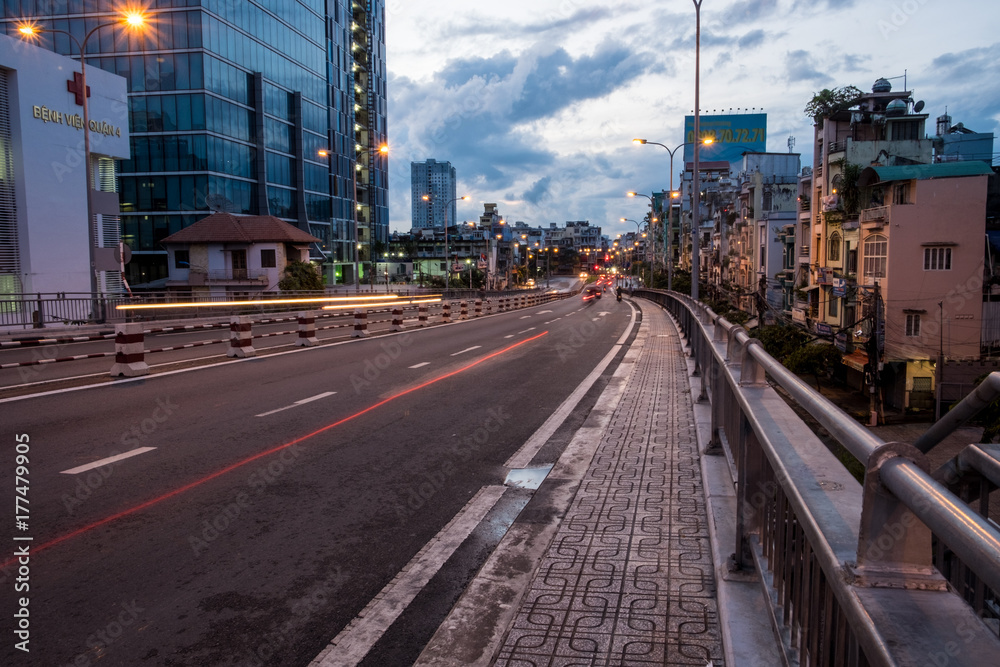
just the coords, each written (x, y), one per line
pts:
(356, 640)
(421, 364)
(111, 459)
(298, 403)
(468, 349)
(522, 457)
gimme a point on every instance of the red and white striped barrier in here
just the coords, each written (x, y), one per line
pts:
(241, 337)
(479, 308)
(421, 315)
(130, 356)
(360, 323)
(397, 319)
(463, 313)
(37, 342)
(446, 312)
(307, 330)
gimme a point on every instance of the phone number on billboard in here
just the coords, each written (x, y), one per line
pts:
(739, 135)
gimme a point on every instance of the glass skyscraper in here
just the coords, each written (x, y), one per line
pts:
(258, 106)
(437, 181)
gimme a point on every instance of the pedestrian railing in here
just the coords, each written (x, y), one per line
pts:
(856, 574)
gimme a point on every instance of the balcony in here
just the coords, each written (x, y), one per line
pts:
(879, 215)
(837, 147)
(217, 276)
(803, 251)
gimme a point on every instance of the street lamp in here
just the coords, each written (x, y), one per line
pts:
(384, 150)
(695, 185)
(652, 221)
(133, 20)
(667, 240)
(447, 265)
(638, 232)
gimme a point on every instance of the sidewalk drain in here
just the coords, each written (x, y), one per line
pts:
(527, 478)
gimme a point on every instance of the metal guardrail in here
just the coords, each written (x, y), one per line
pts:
(849, 569)
(34, 311)
(513, 301)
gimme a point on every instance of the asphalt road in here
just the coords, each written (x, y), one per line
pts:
(279, 495)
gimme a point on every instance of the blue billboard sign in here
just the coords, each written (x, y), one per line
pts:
(732, 135)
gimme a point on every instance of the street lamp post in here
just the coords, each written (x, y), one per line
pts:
(383, 149)
(447, 260)
(695, 184)
(638, 232)
(134, 21)
(668, 241)
(652, 221)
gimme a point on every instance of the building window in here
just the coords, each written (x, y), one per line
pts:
(937, 259)
(267, 259)
(833, 248)
(901, 193)
(876, 251)
(905, 130)
(182, 259)
(913, 324)
(834, 306)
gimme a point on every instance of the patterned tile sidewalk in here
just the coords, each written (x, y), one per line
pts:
(628, 580)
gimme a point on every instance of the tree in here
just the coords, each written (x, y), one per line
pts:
(781, 340)
(850, 193)
(827, 102)
(300, 276)
(816, 359)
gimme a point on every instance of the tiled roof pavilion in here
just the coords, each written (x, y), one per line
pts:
(221, 227)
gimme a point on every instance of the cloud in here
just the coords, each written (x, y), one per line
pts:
(751, 39)
(799, 67)
(538, 190)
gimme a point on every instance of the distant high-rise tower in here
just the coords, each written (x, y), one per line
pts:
(252, 107)
(436, 180)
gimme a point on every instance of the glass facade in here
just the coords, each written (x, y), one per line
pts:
(259, 106)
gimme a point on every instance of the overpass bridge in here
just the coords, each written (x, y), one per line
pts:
(750, 544)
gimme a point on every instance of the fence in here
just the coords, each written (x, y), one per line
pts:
(853, 572)
(385, 313)
(46, 309)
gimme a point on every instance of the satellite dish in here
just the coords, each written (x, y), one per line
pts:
(217, 202)
(918, 107)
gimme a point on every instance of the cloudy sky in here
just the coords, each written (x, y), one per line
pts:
(535, 102)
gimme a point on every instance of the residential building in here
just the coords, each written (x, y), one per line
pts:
(957, 142)
(433, 200)
(252, 107)
(881, 128)
(44, 238)
(716, 191)
(229, 255)
(922, 254)
(767, 203)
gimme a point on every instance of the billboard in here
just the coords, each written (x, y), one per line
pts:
(732, 135)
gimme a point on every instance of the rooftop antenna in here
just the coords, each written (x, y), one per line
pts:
(791, 144)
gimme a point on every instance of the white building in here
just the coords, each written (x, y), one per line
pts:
(44, 238)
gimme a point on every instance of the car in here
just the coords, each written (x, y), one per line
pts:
(591, 292)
